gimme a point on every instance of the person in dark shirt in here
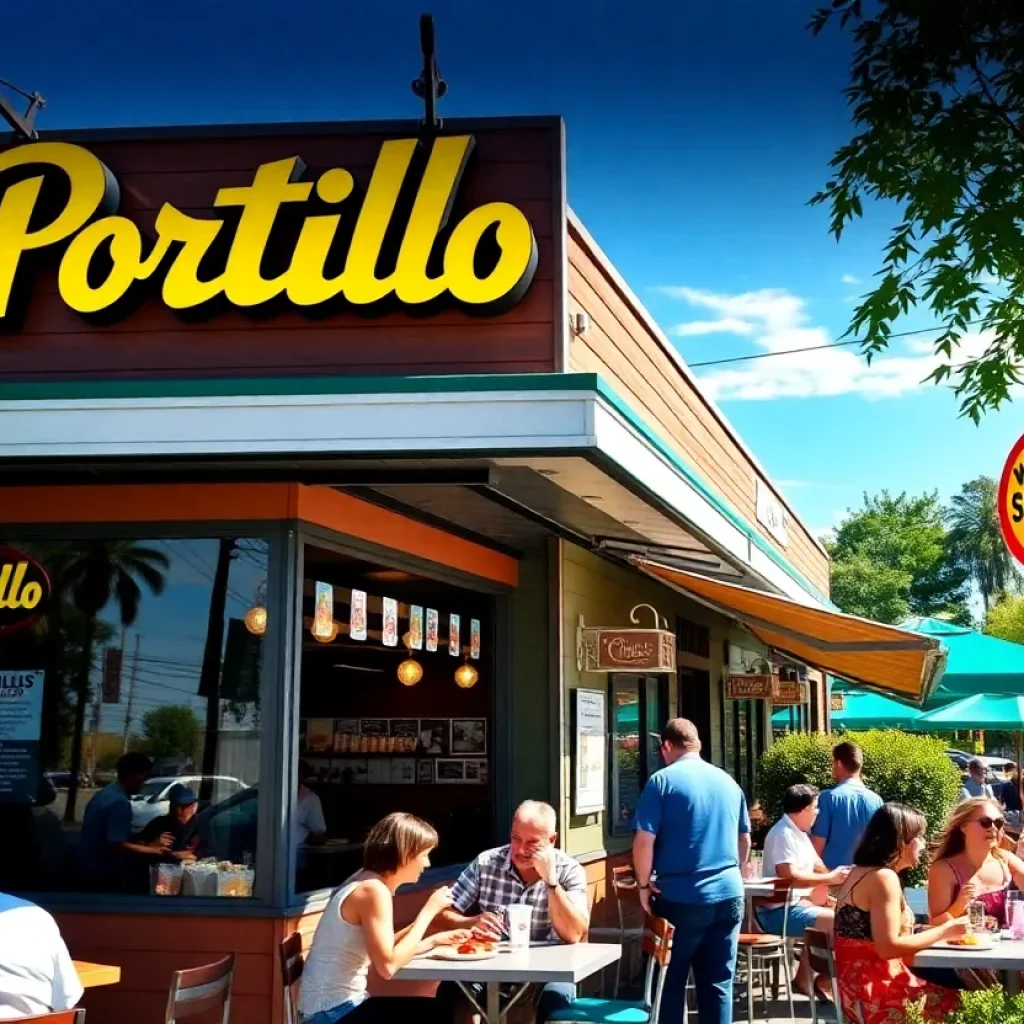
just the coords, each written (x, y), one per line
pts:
(178, 825)
(1009, 793)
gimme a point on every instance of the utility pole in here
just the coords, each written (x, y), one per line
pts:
(131, 697)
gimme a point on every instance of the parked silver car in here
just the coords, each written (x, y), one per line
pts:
(153, 800)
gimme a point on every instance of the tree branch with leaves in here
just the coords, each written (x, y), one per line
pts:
(937, 100)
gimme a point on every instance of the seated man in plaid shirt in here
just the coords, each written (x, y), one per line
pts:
(530, 869)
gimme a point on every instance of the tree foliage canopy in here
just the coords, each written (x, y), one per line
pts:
(171, 730)
(937, 97)
(892, 558)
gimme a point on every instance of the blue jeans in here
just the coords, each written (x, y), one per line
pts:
(706, 939)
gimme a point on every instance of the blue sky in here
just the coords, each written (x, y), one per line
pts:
(696, 134)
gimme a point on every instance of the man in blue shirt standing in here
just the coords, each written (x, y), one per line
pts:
(844, 810)
(692, 834)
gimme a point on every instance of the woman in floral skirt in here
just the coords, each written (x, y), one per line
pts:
(874, 927)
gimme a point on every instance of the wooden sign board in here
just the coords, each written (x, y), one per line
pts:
(745, 686)
(789, 693)
(837, 702)
(628, 650)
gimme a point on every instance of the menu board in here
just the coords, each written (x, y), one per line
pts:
(21, 717)
(590, 747)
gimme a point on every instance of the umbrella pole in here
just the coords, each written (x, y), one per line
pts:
(1020, 772)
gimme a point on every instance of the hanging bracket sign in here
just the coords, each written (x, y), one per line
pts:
(601, 649)
(790, 693)
(758, 682)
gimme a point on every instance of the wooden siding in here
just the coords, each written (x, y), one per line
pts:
(516, 165)
(623, 349)
(149, 948)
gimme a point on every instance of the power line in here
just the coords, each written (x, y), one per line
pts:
(818, 348)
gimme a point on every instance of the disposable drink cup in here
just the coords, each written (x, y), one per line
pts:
(519, 916)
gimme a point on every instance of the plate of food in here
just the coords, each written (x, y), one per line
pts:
(473, 949)
(971, 941)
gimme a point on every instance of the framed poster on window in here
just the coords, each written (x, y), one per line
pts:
(589, 751)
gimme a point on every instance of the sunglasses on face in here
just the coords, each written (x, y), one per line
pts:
(987, 823)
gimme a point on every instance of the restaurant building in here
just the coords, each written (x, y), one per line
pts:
(346, 444)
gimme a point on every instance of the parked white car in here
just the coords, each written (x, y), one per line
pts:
(154, 798)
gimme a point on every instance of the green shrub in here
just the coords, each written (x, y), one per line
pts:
(987, 1006)
(901, 767)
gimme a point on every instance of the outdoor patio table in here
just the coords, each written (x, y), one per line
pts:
(537, 964)
(94, 975)
(1006, 956)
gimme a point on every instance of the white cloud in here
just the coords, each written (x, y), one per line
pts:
(729, 325)
(781, 323)
(850, 279)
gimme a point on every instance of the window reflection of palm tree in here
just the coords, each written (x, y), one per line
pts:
(209, 675)
(93, 573)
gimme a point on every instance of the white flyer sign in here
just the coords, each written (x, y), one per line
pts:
(21, 705)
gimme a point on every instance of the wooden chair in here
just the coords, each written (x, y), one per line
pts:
(765, 953)
(657, 947)
(60, 1017)
(292, 964)
(201, 990)
(823, 965)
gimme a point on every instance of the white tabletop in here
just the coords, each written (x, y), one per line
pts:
(1005, 955)
(568, 964)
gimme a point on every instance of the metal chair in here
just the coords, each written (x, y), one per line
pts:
(629, 937)
(292, 964)
(823, 965)
(657, 947)
(766, 953)
(59, 1017)
(201, 990)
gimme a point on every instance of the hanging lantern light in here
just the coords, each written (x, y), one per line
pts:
(256, 616)
(328, 637)
(466, 676)
(410, 672)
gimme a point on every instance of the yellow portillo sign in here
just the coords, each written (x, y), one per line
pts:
(391, 244)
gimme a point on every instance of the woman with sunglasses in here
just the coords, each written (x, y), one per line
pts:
(969, 864)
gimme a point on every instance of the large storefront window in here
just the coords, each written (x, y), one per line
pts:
(396, 705)
(147, 658)
(635, 749)
(742, 725)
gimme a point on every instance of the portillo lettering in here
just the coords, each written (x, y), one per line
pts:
(24, 590)
(309, 244)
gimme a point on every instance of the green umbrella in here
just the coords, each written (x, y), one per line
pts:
(864, 710)
(979, 711)
(977, 664)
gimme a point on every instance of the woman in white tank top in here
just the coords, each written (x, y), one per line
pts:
(357, 931)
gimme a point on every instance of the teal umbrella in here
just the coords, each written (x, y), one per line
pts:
(864, 710)
(977, 664)
(980, 711)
